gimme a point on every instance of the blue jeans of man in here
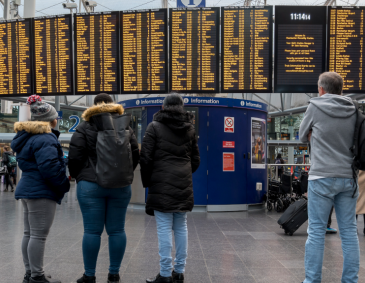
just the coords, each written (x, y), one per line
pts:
(322, 195)
(103, 207)
(166, 223)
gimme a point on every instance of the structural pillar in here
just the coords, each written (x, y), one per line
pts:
(29, 8)
(291, 148)
(58, 108)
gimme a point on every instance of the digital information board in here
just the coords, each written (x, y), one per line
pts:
(300, 48)
(97, 53)
(144, 51)
(15, 58)
(53, 66)
(194, 50)
(346, 46)
(246, 49)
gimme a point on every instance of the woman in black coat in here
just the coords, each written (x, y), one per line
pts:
(169, 157)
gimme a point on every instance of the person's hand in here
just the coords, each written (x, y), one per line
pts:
(309, 136)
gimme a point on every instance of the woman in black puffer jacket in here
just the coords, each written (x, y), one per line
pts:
(169, 157)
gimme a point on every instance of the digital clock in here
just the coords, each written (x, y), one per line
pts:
(300, 16)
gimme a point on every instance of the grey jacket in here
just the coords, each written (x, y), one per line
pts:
(332, 120)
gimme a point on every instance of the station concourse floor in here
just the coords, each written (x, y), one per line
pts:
(240, 247)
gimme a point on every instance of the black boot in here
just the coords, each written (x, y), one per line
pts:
(159, 279)
(86, 279)
(177, 277)
(43, 279)
(113, 278)
(26, 277)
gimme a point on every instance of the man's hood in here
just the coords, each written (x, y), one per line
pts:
(334, 105)
(176, 121)
(102, 108)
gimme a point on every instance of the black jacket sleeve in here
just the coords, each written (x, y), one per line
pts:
(78, 152)
(5, 159)
(147, 153)
(135, 149)
(195, 155)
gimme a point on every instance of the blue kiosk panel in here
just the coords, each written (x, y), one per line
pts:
(233, 160)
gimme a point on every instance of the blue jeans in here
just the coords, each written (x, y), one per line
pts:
(166, 222)
(322, 195)
(103, 207)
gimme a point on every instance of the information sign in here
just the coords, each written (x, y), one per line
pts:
(300, 46)
(97, 53)
(53, 55)
(246, 49)
(144, 51)
(15, 58)
(228, 162)
(190, 3)
(229, 124)
(194, 50)
(228, 144)
(346, 46)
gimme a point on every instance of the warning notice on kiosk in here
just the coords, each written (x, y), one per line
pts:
(229, 124)
(228, 161)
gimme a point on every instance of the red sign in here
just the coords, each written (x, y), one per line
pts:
(228, 161)
(229, 124)
(228, 144)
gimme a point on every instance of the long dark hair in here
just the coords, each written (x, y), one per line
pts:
(278, 156)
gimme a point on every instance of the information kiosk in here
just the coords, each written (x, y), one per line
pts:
(232, 141)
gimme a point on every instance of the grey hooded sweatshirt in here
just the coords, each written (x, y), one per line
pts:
(332, 120)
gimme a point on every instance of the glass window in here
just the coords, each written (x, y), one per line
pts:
(136, 123)
(66, 123)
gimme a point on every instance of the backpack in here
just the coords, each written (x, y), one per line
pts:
(114, 163)
(358, 147)
(278, 161)
(11, 161)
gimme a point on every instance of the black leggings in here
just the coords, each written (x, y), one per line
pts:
(8, 181)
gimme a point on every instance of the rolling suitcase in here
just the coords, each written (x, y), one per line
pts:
(294, 216)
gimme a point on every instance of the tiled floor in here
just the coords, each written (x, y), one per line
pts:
(223, 247)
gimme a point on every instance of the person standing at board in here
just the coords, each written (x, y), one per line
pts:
(43, 183)
(169, 157)
(103, 155)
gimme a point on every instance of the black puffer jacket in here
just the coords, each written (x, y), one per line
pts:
(169, 156)
(83, 143)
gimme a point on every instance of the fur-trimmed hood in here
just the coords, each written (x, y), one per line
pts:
(176, 121)
(25, 130)
(102, 108)
(33, 127)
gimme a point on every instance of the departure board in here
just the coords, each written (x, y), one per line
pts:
(15, 58)
(53, 55)
(346, 46)
(144, 51)
(194, 50)
(97, 53)
(300, 48)
(246, 49)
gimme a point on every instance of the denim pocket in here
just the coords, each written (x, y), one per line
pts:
(87, 186)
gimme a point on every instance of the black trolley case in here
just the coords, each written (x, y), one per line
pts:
(294, 216)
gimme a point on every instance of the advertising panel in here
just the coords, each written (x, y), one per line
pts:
(258, 143)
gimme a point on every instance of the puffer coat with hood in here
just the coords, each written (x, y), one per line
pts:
(83, 143)
(169, 157)
(40, 157)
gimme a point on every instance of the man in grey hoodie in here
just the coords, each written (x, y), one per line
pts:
(329, 125)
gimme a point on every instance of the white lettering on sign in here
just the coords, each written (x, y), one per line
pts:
(253, 105)
(229, 124)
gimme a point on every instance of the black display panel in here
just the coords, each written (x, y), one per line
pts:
(300, 48)
(97, 53)
(346, 46)
(194, 50)
(53, 67)
(246, 49)
(16, 58)
(144, 51)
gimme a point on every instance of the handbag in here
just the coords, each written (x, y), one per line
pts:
(3, 170)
